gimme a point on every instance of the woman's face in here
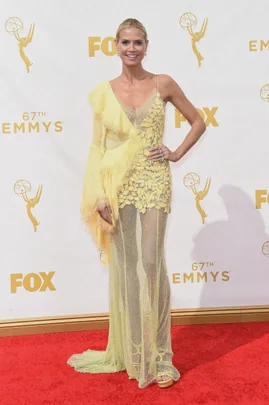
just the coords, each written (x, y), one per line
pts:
(131, 46)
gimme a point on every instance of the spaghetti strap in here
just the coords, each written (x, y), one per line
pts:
(157, 83)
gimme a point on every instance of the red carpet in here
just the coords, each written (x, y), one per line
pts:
(220, 364)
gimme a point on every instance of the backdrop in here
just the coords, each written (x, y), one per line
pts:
(52, 54)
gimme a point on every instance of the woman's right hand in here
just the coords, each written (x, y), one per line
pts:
(105, 212)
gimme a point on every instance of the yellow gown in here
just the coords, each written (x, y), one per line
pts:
(139, 192)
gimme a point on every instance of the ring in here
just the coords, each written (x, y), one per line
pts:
(162, 159)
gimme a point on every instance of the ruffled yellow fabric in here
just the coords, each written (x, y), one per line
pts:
(107, 168)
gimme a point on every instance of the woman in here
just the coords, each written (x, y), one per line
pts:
(126, 200)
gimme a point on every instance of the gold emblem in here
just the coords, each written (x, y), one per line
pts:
(32, 282)
(21, 188)
(188, 22)
(13, 26)
(192, 180)
(264, 93)
(265, 249)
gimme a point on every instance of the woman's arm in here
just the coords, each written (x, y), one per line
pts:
(170, 91)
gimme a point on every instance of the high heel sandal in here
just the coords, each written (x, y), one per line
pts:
(167, 382)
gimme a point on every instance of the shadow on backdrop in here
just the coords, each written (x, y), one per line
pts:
(235, 245)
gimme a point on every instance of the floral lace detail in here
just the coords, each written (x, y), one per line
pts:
(148, 183)
(152, 126)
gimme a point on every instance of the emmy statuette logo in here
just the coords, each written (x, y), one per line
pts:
(13, 26)
(264, 93)
(32, 282)
(188, 22)
(265, 249)
(191, 181)
(22, 188)
(107, 46)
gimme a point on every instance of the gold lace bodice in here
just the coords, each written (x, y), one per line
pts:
(148, 183)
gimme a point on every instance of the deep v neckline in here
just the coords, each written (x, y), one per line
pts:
(154, 92)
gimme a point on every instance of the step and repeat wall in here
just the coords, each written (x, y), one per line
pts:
(52, 54)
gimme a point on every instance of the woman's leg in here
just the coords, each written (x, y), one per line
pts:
(156, 294)
(125, 288)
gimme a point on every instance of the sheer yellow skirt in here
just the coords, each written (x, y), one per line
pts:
(139, 332)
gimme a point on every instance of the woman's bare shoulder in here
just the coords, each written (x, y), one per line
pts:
(166, 80)
(166, 86)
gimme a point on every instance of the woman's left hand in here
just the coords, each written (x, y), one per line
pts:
(160, 153)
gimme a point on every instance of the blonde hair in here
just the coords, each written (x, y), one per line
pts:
(131, 22)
